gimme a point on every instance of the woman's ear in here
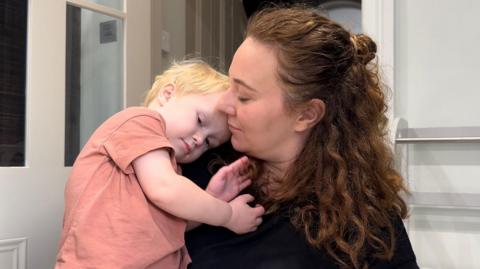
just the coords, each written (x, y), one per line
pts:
(165, 93)
(310, 115)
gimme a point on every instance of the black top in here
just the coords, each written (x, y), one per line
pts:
(274, 245)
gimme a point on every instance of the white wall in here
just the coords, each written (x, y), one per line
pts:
(439, 49)
(173, 21)
(437, 66)
(209, 29)
(156, 39)
(169, 17)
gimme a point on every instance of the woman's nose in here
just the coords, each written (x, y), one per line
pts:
(226, 103)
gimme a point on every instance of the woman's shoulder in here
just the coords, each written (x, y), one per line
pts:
(403, 257)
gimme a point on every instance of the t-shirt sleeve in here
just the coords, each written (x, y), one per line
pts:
(135, 137)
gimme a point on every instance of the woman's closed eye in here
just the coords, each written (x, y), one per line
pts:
(240, 95)
(243, 99)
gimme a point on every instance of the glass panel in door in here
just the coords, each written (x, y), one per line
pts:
(94, 75)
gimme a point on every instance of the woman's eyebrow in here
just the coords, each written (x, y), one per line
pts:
(241, 82)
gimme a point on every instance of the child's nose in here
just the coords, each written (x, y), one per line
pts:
(198, 138)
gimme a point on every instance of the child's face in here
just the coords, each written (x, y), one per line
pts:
(194, 124)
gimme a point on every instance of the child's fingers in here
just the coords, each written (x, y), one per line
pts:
(246, 198)
(239, 163)
(243, 159)
(245, 184)
(223, 171)
(259, 209)
(244, 168)
(241, 177)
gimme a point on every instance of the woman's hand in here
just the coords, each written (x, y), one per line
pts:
(230, 180)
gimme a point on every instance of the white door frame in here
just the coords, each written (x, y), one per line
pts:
(378, 22)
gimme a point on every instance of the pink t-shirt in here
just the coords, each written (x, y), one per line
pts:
(108, 221)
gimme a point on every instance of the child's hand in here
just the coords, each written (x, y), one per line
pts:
(244, 218)
(229, 181)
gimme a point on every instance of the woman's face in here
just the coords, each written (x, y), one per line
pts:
(260, 124)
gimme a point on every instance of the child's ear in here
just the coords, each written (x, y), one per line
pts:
(165, 93)
(310, 115)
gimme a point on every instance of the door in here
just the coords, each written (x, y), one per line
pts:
(31, 194)
(429, 54)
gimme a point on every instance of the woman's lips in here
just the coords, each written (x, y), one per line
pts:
(233, 128)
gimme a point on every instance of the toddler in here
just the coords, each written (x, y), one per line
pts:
(126, 204)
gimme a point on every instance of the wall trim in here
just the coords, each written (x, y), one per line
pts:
(17, 248)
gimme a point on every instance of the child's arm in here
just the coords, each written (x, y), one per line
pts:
(182, 198)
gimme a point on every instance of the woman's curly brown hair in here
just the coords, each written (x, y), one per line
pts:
(343, 191)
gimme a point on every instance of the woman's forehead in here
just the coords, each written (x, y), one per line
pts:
(255, 65)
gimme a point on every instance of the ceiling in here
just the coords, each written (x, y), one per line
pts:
(251, 6)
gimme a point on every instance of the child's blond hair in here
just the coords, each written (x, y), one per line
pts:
(189, 77)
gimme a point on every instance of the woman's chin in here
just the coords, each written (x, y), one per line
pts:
(237, 145)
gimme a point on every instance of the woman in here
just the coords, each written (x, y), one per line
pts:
(306, 103)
